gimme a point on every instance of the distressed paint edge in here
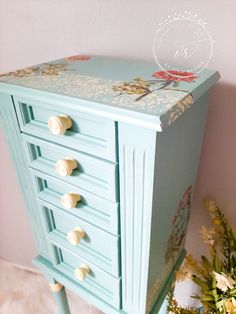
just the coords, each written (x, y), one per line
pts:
(167, 119)
(199, 91)
(157, 123)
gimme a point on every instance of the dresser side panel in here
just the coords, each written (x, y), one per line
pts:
(177, 158)
(10, 127)
(136, 160)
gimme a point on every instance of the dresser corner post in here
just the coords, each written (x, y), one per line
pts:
(11, 130)
(137, 148)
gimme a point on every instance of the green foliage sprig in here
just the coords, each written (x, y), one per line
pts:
(216, 274)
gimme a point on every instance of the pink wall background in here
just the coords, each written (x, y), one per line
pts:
(32, 32)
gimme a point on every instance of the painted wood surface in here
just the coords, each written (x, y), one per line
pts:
(93, 174)
(91, 208)
(177, 158)
(63, 278)
(123, 86)
(135, 184)
(98, 282)
(10, 127)
(161, 303)
(60, 296)
(98, 246)
(88, 133)
(136, 157)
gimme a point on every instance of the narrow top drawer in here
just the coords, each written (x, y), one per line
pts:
(88, 133)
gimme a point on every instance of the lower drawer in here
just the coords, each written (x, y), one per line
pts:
(90, 242)
(88, 275)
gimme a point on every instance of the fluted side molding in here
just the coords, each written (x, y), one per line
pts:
(9, 125)
(136, 158)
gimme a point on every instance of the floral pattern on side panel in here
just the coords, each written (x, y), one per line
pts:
(179, 227)
(175, 244)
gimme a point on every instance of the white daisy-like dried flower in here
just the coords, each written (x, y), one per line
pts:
(224, 282)
(207, 235)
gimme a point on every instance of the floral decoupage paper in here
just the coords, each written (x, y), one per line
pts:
(159, 95)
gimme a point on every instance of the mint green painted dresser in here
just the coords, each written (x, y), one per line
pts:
(106, 152)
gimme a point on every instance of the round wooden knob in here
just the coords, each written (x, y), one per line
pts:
(75, 236)
(81, 272)
(59, 124)
(64, 167)
(70, 200)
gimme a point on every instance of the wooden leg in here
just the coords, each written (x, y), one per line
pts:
(59, 295)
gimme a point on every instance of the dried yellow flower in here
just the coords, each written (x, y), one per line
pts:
(183, 274)
(231, 306)
(191, 262)
(187, 269)
(207, 235)
(209, 204)
(216, 221)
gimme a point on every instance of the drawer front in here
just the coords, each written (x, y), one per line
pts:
(93, 174)
(95, 245)
(96, 281)
(88, 133)
(91, 208)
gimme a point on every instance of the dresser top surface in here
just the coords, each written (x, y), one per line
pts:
(136, 86)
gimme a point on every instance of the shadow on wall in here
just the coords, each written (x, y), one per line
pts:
(217, 169)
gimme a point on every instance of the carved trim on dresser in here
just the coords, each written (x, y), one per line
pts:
(136, 159)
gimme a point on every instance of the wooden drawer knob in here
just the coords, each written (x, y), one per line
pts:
(64, 167)
(81, 272)
(75, 236)
(59, 124)
(70, 200)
